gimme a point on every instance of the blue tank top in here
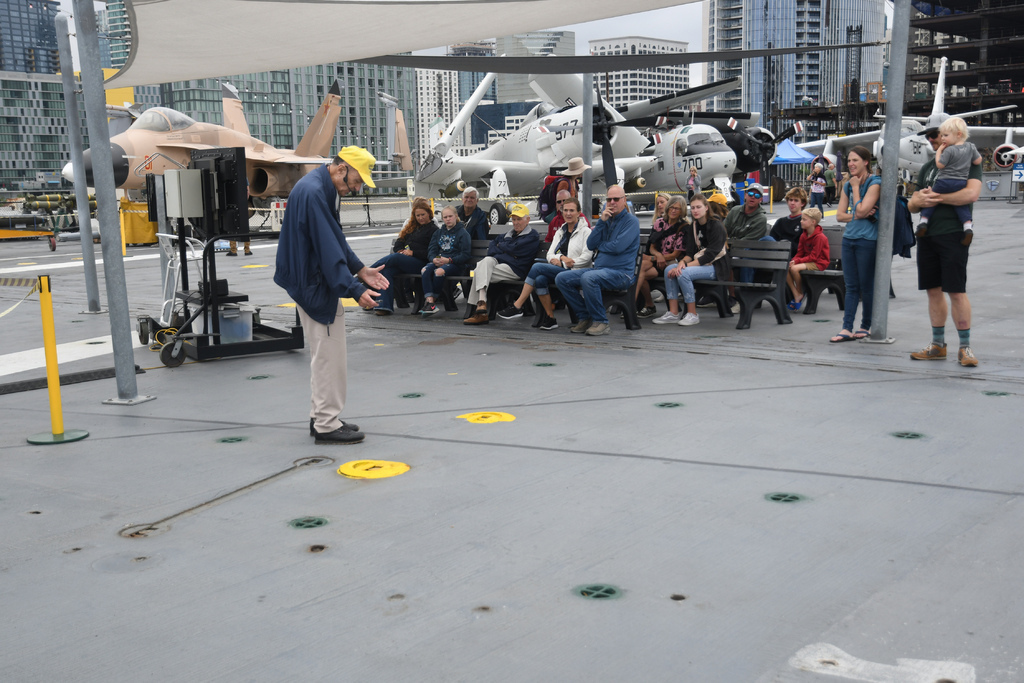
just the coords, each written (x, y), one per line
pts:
(862, 228)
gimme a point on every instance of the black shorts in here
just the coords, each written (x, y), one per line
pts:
(942, 262)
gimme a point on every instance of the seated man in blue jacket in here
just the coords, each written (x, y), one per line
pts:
(317, 268)
(508, 259)
(615, 240)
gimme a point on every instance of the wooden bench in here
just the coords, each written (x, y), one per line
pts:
(817, 282)
(446, 297)
(772, 257)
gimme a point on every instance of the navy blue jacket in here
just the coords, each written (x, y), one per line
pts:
(517, 250)
(454, 244)
(476, 223)
(315, 265)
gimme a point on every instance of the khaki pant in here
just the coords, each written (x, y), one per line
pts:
(486, 271)
(328, 368)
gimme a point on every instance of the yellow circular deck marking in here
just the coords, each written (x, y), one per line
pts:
(372, 469)
(256, 266)
(487, 418)
(291, 305)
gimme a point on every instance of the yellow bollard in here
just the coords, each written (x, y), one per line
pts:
(58, 434)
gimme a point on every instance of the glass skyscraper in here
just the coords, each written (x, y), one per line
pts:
(28, 38)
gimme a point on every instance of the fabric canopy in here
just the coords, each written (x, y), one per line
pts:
(788, 153)
(176, 40)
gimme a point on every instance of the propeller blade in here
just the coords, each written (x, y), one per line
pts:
(602, 129)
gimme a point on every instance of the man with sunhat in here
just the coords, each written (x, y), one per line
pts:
(569, 182)
(317, 268)
(508, 259)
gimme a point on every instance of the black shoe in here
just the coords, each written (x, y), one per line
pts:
(646, 312)
(346, 425)
(922, 229)
(341, 435)
(231, 253)
(510, 312)
(248, 253)
(548, 323)
(429, 308)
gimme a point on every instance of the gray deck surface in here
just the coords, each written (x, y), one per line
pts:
(463, 568)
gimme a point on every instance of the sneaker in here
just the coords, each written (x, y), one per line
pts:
(597, 329)
(429, 308)
(510, 312)
(646, 312)
(582, 326)
(346, 425)
(657, 296)
(478, 318)
(690, 319)
(968, 236)
(734, 305)
(706, 302)
(340, 436)
(967, 357)
(666, 319)
(922, 229)
(548, 323)
(931, 352)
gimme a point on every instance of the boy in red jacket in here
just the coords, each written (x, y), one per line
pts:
(811, 254)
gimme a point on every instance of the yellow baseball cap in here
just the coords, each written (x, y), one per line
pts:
(361, 160)
(718, 198)
(518, 210)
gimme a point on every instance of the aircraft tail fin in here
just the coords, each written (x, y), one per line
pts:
(320, 134)
(234, 117)
(398, 139)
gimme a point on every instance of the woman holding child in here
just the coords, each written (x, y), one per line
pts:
(705, 259)
(858, 205)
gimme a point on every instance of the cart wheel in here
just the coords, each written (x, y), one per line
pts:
(53, 243)
(168, 358)
(143, 332)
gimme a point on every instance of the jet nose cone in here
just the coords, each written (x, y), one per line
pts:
(68, 172)
(120, 165)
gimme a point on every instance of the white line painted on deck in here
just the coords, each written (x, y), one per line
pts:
(823, 658)
(33, 359)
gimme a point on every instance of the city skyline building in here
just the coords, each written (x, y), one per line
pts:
(28, 37)
(437, 97)
(770, 84)
(622, 87)
(119, 33)
(469, 80)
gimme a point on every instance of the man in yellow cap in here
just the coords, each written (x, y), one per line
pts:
(317, 268)
(508, 259)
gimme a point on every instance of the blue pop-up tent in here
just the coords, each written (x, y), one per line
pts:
(788, 153)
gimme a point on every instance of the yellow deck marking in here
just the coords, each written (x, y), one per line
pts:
(487, 418)
(372, 469)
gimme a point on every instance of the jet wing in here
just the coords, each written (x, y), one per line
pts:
(992, 136)
(843, 142)
(660, 105)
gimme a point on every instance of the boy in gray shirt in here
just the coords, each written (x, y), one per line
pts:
(953, 158)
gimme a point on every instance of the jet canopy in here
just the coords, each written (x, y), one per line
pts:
(162, 120)
(699, 140)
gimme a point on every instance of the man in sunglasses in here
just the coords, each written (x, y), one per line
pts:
(616, 241)
(748, 221)
(559, 220)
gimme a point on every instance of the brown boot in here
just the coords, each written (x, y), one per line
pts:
(478, 318)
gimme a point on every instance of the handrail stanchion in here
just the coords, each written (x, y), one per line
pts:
(57, 435)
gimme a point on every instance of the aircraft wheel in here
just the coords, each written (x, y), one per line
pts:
(53, 243)
(498, 215)
(143, 332)
(167, 356)
(997, 156)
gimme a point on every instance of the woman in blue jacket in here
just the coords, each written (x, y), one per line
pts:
(449, 251)
(857, 208)
(409, 254)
